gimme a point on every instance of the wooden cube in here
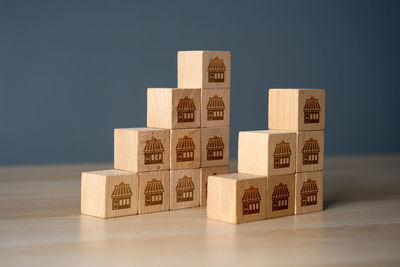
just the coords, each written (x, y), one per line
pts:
(154, 191)
(267, 152)
(296, 109)
(215, 107)
(185, 149)
(236, 197)
(109, 193)
(184, 188)
(280, 196)
(309, 192)
(173, 108)
(310, 151)
(204, 173)
(204, 69)
(214, 146)
(141, 149)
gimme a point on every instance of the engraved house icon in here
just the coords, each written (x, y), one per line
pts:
(282, 155)
(215, 148)
(186, 109)
(215, 108)
(216, 70)
(121, 197)
(310, 152)
(185, 149)
(153, 151)
(251, 201)
(153, 193)
(184, 189)
(308, 193)
(312, 110)
(280, 197)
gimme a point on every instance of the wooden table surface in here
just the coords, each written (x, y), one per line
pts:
(41, 225)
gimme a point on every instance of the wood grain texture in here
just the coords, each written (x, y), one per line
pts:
(304, 162)
(204, 173)
(273, 183)
(214, 146)
(256, 152)
(176, 179)
(211, 115)
(129, 149)
(145, 178)
(300, 180)
(286, 109)
(178, 136)
(193, 69)
(97, 188)
(162, 107)
(226, 193)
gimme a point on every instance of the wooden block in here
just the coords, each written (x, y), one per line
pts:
(310, 151)
(154, 191)
(280, 196)
(267, 152)
(184, 189)
(309, 192)
(296, 109)
(185, 149)
(141, 149)
(215, 107)
(214, 146)
(204, 173)
(236, 197)
(109, 193)
(173, 108)
(204, 69)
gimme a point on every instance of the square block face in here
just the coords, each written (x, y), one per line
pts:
(215, 107)
(267, 152)
(141, 149)
(204, 69)
(173, 108)
(296, 109)
(184, 189)
(185, 149)
(109, 193)
(204, 173)
(214, 146)
(280, 196)
(236, 197)
(309, 192)
(310, 151)
(153, 191)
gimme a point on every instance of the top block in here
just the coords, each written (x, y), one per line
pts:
(296, 109)
(204, 69)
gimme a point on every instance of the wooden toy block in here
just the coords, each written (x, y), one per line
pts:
(267, 152)
(296, 109)
(154, 191)
(204, 69)
(109, 193)
(310, 151)
(236, 197)
(141, 149)
(173, 108)
(185, 149)
(214, 146)
(204, 173)
(215, 107)
(309, 192)
(184, 188)
(280, 196)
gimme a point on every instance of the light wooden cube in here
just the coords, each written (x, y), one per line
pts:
(236, 197)
(280, 196)
(204, 173)
(215, 107)
(214, 146)
(154, 194)
(296, 109)
(310, 151)
(267, 152)
(204, 69)
(185, 149)
(309, 192)
(109, 193)
(141, 149)
(173, 108)
(184, 188)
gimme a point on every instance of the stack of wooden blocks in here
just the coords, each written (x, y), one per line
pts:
(165, 165)
(279, 170)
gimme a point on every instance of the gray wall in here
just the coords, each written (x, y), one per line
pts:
(71, 71)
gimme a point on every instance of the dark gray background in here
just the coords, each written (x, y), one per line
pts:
(71, 71)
